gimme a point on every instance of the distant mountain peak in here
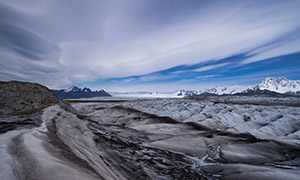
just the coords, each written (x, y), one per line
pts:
(76, 92)
(72, 89)
(225, 90)
(186, 93)
(280, 85)
(85, 89)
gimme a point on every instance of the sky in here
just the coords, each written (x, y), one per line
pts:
(149, 45)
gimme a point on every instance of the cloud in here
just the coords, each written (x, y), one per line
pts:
(25, 43)
(14, 37)
(58, 43)
(207, 76)
(210, 67)
(25, 54)
(210, 34)
(13, 74)
(128, 80)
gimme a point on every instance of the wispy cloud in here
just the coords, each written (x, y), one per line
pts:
(207, 76)
(128, 80)
(210, 67)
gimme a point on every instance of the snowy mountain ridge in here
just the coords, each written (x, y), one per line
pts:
(226, 90)
(76, 92)
(215, 91)
(277, 85)
(280, 85)
(270, 86)
(76, 89)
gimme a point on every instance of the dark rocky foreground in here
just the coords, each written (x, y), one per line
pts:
(138, 139)
(21, 104)
(24, 98)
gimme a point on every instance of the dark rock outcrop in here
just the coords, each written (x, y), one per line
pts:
(76, 92)
(24, 98)
(251, 92)
(21, 104)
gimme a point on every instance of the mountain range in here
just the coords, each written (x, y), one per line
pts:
(76, 92)
(269, 86)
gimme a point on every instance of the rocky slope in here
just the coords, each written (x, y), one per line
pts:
(24, 98)
(41, 137)
(21, 104)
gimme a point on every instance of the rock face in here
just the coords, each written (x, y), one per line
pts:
(76, 92)
(24, 98)
(251, 92)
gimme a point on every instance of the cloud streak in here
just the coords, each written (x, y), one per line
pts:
(207, 76)
(206, 68)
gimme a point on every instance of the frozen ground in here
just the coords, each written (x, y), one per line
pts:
(205, 138)
(263, 117)
(62, 147)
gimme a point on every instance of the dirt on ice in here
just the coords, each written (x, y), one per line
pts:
(204, 138)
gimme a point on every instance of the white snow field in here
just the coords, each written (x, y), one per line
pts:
(263, 117)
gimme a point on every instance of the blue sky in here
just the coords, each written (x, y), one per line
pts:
(150, 45)
(224, 72)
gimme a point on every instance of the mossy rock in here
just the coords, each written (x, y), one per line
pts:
(25, 97)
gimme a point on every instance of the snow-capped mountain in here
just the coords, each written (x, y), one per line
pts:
(279, 85)
(269, 86)
(212, 91)
(77, 89)
(76, 92)
(185, 93)
(225, 90)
